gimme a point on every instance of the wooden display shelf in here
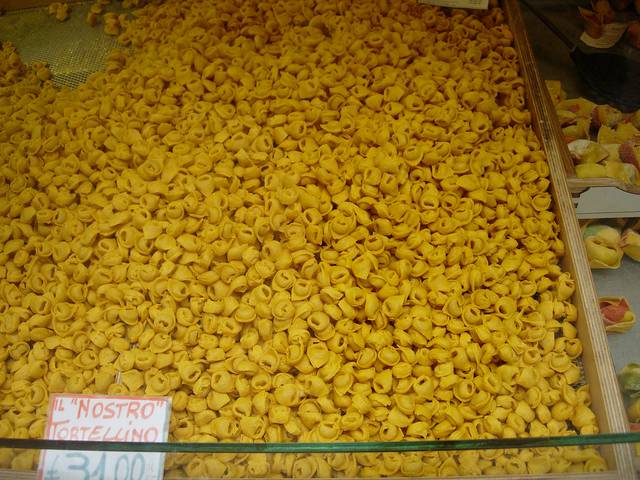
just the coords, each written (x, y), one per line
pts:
(593, 197)
(604, 198)
(579, 185)
(598, 197)
(598, 364)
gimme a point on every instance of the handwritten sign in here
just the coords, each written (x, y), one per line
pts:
(105, 419)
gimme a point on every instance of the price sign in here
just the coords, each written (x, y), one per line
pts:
(105, 419)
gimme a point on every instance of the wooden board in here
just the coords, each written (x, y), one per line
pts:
(605, 198)
(578, 185)
(607, 202)
(598, 364)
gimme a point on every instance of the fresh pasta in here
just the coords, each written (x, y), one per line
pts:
(302, 225)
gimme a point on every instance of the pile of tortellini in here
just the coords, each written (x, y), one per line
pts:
(303, 221)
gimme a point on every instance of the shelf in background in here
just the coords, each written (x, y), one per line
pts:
(594, 198)
(606, 202)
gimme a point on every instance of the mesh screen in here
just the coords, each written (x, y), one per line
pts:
(72, 49)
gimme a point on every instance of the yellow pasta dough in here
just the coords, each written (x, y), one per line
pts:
(301, 221)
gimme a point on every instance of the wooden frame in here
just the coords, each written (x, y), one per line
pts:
(579, 185)
(598, 364)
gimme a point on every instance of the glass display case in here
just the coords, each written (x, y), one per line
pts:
(341, 237)
(597, 195)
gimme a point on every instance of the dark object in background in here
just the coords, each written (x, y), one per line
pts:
(610, 78)
(592, 23)
(603, 10)
(633, 34)
(620, 4)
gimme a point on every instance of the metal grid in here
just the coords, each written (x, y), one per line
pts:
(72, 49)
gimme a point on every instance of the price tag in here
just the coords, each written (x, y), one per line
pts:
(477, 4)
(105, 419)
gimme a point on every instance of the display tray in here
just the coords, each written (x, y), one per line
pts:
(597, 362)
(579, 185)
(554, 63)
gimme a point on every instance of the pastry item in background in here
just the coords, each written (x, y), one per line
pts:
(623, 132)
(627, 132)
(594, 161)
(633, 32)
(586, 151)
(624, 172)
(603, 141)
(602, 8)
(590, 170)
(613, 151)
(630, 154)
(634, 119)
(575, 117)
(555, 91)
(616, 314)
(629, 379)
(630, 243)
(59, 10)
(593, 24)
(605, 115)
(566, 118)
(580, 106)
(602, 243)
(606, 135)
(635, 427)
(580, 129)
(633, 413)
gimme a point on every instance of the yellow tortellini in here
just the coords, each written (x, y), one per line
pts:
(303, 222)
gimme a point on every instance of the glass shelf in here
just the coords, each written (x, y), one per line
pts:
(326, 447)
(542, 455)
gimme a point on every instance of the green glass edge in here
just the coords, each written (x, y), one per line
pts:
(329, 447)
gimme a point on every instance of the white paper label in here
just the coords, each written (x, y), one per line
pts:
(105, 419)
(478, 4)
(611, 33)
